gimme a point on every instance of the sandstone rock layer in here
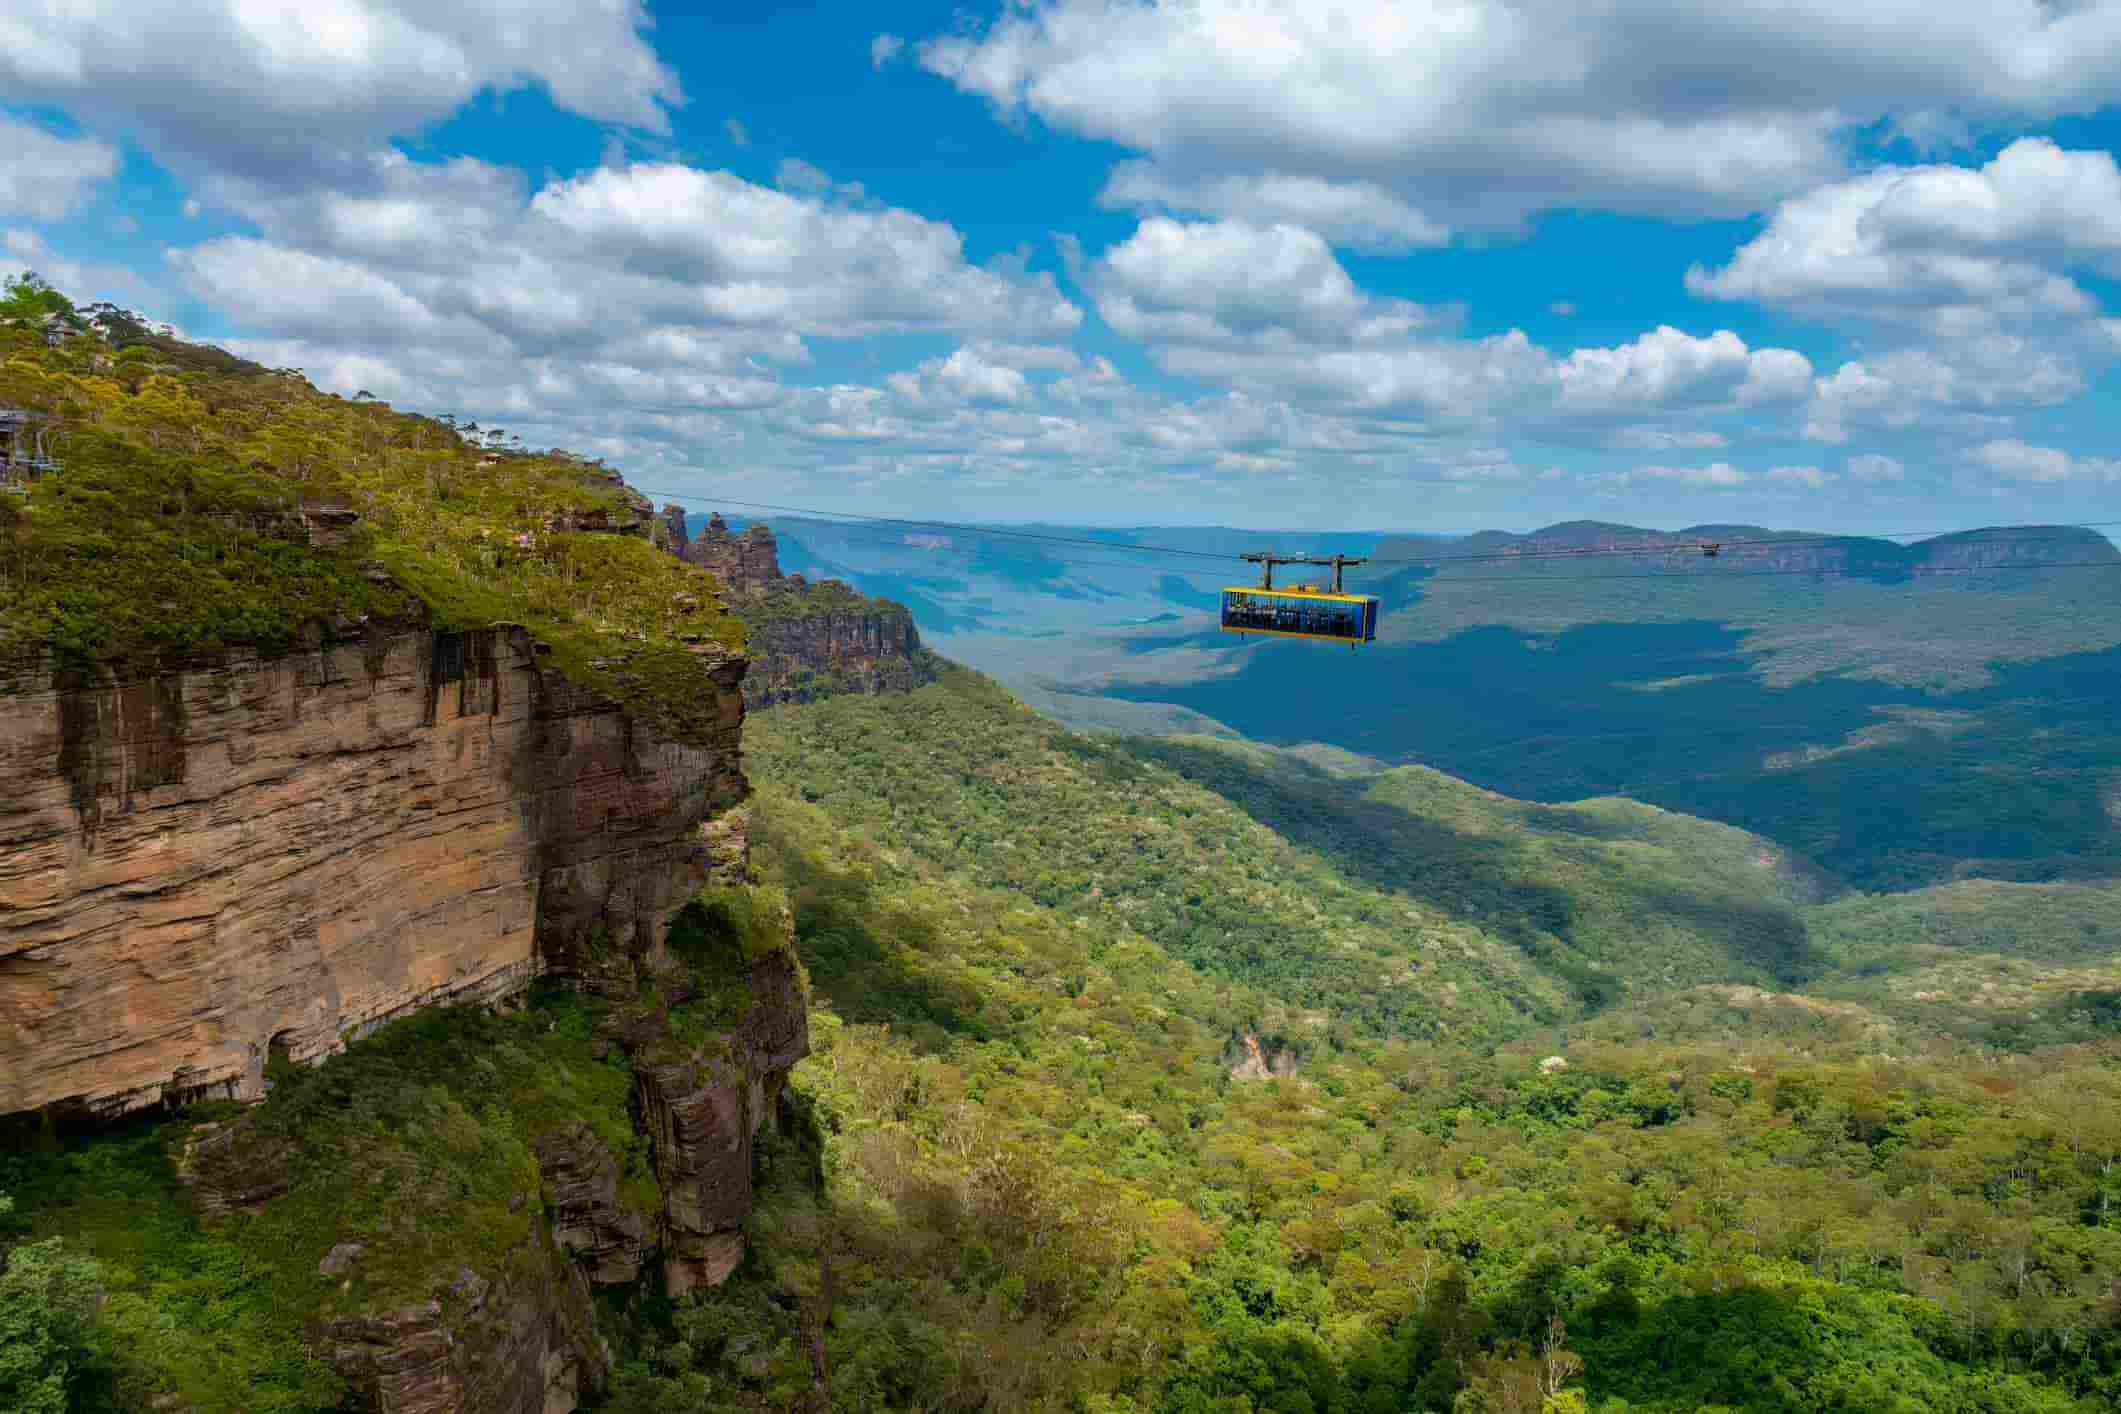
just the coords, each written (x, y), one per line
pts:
(523, 1344)
(807, 641)
(205, 867)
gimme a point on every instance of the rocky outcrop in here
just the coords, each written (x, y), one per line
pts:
(702, 1104)
(241, 856)
(1247, 1057)
(522, 1342)
(808, 640)
(231, 1169)
(860, 646)
(581, 1178)
(668, 531)
(745, 564)
(515, 1332)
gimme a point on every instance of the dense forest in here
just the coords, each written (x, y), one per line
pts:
(1179, 1075)
(1041, 1174)
(1902, 731)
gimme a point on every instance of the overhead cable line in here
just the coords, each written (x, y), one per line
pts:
(1702, 577)
(1976, 535)
(956, 526)
(1718, 576)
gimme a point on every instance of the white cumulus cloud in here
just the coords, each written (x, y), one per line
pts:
(2022, 461)
(1360, 214)
(1953, 250)
(1876, 467)
(273, 88)
(1716, 476)
(1810, 477)
(646, 303)
(1667, 367)
(1476, 113)
(44, 176)
(1223, 282)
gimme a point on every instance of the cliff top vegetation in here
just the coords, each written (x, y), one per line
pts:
(202, 502)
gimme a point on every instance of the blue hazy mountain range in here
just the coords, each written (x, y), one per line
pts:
(1902, 713)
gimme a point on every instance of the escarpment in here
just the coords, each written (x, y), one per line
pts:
(203, 867)
(1584, 547)
(360, 776)
(524, 1339)
(808, 640)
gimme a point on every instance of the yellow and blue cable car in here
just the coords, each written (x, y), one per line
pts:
(1302, 611)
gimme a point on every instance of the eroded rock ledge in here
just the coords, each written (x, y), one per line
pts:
(806, 640)
(242, 857)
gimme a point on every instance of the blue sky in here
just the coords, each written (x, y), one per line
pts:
(1434, 264)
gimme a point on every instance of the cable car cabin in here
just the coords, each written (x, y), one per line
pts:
(1303, 610)
(1300, 613)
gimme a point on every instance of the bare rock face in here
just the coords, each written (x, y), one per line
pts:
(668, 531)
(1246, 1057)
(744, 564)
(581, 1180)
(229, 1171)
(525, 1343)
(202, 867)
(808, 641)
(702, 1112)
(803, 657)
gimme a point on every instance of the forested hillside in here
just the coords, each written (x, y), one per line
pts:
(1041, 1174)
(1900, 733)
(1762, 1212)
(1049, 1186)
(1903, 714)
(1183, 1075)
(1420, 907)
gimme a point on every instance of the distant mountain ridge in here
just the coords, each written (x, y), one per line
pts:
(1590, 547)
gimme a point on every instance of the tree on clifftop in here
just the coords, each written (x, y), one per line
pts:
(27, 296)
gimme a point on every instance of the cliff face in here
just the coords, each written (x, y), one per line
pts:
(219, 859)
(807, 640)
(745, 564)
(523, 1342)
(208, 866)
(2012, 548)
(799, 656)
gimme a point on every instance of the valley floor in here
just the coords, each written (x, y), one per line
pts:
(1190, 1075)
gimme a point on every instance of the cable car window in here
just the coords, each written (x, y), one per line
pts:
(1303, 615)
